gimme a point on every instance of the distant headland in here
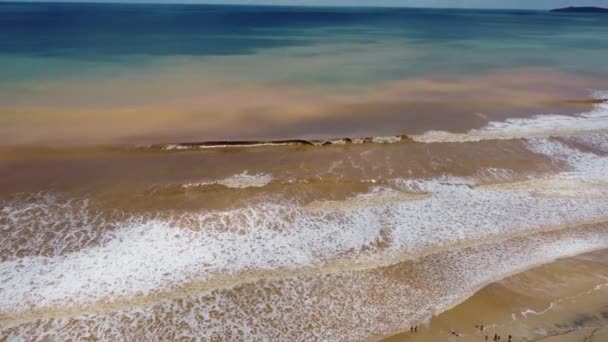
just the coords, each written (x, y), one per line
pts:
(581, 10)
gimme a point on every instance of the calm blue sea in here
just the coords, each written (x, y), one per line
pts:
(67, 40)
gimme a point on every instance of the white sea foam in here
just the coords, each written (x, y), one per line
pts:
(43, 224)
(585, 178)
(597, 141)
(349, 305)
(540, 126)
(495, 175)
(527, 312)
(175, 147)
(238, 181)
(585, 166)
(147, 254)
(140, 255)
(600, 94)
(387, 139)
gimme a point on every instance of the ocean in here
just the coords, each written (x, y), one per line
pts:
(266, 173)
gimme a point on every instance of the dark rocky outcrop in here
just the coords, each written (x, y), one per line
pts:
(581, 10)
(292, 142)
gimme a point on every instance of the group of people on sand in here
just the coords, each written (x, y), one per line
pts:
(496, 336)
(414, 329)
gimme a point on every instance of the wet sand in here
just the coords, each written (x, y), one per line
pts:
(566, 300)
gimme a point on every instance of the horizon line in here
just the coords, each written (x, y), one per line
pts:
(248, 4)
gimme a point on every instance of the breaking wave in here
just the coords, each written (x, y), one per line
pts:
(540, 126)
(148, 257)
(293, 142)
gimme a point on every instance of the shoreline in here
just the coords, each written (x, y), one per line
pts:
(582, 327)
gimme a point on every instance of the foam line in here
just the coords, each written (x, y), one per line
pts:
(369, 302)
(430, 219)
(540, 126)
(145, 254)
(238, 181)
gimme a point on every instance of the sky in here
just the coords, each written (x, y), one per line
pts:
(522, 4)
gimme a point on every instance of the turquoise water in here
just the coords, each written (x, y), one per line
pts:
(116, 73)
(290, 44)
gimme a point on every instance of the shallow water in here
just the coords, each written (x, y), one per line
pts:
(74, 74)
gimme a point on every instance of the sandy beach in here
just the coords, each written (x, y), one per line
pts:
(563, 301)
